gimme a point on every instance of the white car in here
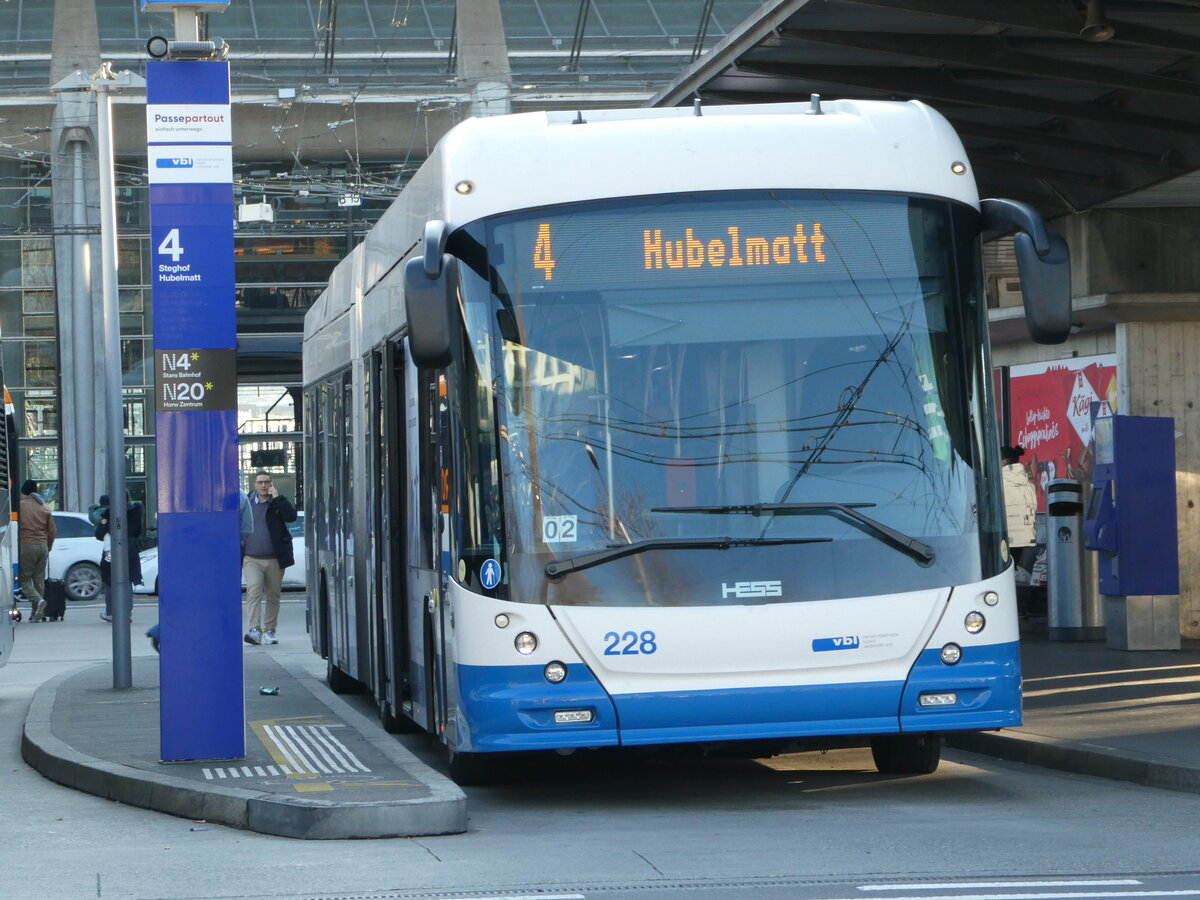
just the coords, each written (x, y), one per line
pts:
(293, 576)
(75, 556)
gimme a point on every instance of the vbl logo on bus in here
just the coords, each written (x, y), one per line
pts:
(841, 642)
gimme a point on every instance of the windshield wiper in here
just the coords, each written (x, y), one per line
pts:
(917, 549)
(559, 567)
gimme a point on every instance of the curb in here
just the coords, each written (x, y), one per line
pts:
(295, 817)
(1036, 750)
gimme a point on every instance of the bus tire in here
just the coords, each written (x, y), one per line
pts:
(394, 724)
(340, 682)
(475, 769)
(323, 617)
(907, 754)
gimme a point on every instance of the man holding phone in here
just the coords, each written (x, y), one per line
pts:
(266, 552)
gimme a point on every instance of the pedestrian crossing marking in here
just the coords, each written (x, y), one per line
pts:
(219, 773)
(307, 747)
(302, 747)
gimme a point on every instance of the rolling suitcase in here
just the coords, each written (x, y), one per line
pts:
(55, 596)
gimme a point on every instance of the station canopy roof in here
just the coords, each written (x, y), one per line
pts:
(1066, 104)
(366, 46)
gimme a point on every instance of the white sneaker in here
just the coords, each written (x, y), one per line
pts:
(253, 636)
(269, 637)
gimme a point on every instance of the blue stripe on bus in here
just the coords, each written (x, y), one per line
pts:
(987, 680)
(512, 707)
(765, 712)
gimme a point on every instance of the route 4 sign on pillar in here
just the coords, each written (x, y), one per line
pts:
(190, 160)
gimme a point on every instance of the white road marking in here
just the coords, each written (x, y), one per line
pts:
(956, 885)
(1064, 895)
(309, 750)
(314, 750)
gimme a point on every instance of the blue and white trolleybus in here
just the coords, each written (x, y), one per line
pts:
(672, 426)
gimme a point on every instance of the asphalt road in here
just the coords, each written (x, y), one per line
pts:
(809, 826)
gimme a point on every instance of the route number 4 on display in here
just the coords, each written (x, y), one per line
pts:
(170, 245)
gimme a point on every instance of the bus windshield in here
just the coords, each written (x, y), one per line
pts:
(734, 397)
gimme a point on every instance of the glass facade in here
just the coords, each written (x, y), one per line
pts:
(280, 269)
(282, 258)
(398, 43)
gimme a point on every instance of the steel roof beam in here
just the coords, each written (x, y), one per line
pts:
(936, 86)
(993, 54)
(983, 160)
(1037, 15)
(1015, 136)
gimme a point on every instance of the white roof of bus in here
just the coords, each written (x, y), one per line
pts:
(537, 159)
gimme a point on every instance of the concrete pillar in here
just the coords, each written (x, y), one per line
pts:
(1133, 251)
(1159, 371)
(75, 201)
(482, 57)
(1137, 269)
(1136, 283)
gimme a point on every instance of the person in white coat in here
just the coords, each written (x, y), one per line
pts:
(1020, 505)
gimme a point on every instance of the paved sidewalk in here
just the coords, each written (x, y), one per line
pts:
(1133, 716)
(314, 766)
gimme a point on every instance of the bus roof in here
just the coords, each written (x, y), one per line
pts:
(500, 164)
(536, 159)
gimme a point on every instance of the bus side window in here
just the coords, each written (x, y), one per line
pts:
(472, 479)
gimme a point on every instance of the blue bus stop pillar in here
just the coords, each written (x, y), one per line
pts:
(195, 338)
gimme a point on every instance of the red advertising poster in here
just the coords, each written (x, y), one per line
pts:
(1051, 415)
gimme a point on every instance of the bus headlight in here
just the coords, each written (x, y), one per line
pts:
(501, 620)
(555, 672)
(951, 654)
(991, 598)
(526, 643)
(974, 622)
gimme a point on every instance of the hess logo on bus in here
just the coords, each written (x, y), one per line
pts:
(749, 590)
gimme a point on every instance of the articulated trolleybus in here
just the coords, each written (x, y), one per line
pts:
(672, 427)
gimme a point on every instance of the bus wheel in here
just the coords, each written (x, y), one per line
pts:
(472, 769)
(907, 754)
(323, 617)
(340, 682)
(394, 724)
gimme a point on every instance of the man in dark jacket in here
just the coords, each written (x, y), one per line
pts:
(133, 545)
(267, 551)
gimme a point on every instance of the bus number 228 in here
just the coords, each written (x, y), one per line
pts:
(634, 643)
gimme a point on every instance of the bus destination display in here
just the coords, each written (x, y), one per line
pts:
(804, 244)
(637, 252)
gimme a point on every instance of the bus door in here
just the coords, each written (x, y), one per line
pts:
(394, 654)
(334, 541)
(424, 547)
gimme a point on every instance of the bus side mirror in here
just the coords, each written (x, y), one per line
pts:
(1044, 263)
(428, 305)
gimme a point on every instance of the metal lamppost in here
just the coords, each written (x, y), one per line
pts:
(103, 83)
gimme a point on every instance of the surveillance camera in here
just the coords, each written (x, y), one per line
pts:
(161, 48)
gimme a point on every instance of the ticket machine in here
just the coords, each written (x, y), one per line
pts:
(1131, 525)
